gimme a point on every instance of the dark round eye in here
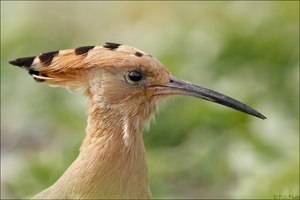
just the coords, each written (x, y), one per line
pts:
(134, 76)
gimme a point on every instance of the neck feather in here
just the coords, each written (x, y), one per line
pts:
(111, 162)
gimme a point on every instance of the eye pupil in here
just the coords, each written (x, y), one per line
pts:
(135, 76)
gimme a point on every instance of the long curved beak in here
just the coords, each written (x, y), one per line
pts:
(177, 86)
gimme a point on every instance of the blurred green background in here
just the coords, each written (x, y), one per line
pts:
(196, 149)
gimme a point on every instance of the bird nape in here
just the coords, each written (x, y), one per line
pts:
(124, 86)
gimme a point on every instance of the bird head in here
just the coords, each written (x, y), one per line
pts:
(119, 77)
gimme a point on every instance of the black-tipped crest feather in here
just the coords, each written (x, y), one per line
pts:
(46, 58)
(83, 49)
(23, 62)
(111, 45)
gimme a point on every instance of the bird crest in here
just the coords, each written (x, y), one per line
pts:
(65, 67)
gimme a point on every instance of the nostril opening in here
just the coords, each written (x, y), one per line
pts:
(171, 81)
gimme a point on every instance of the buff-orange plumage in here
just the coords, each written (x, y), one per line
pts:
(124, 86)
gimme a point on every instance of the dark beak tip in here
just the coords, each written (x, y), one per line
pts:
(263, 117)
(256, 114)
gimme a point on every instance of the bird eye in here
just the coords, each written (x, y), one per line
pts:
(134, 76)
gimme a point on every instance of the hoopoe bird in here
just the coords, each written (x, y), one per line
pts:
(124, 86)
